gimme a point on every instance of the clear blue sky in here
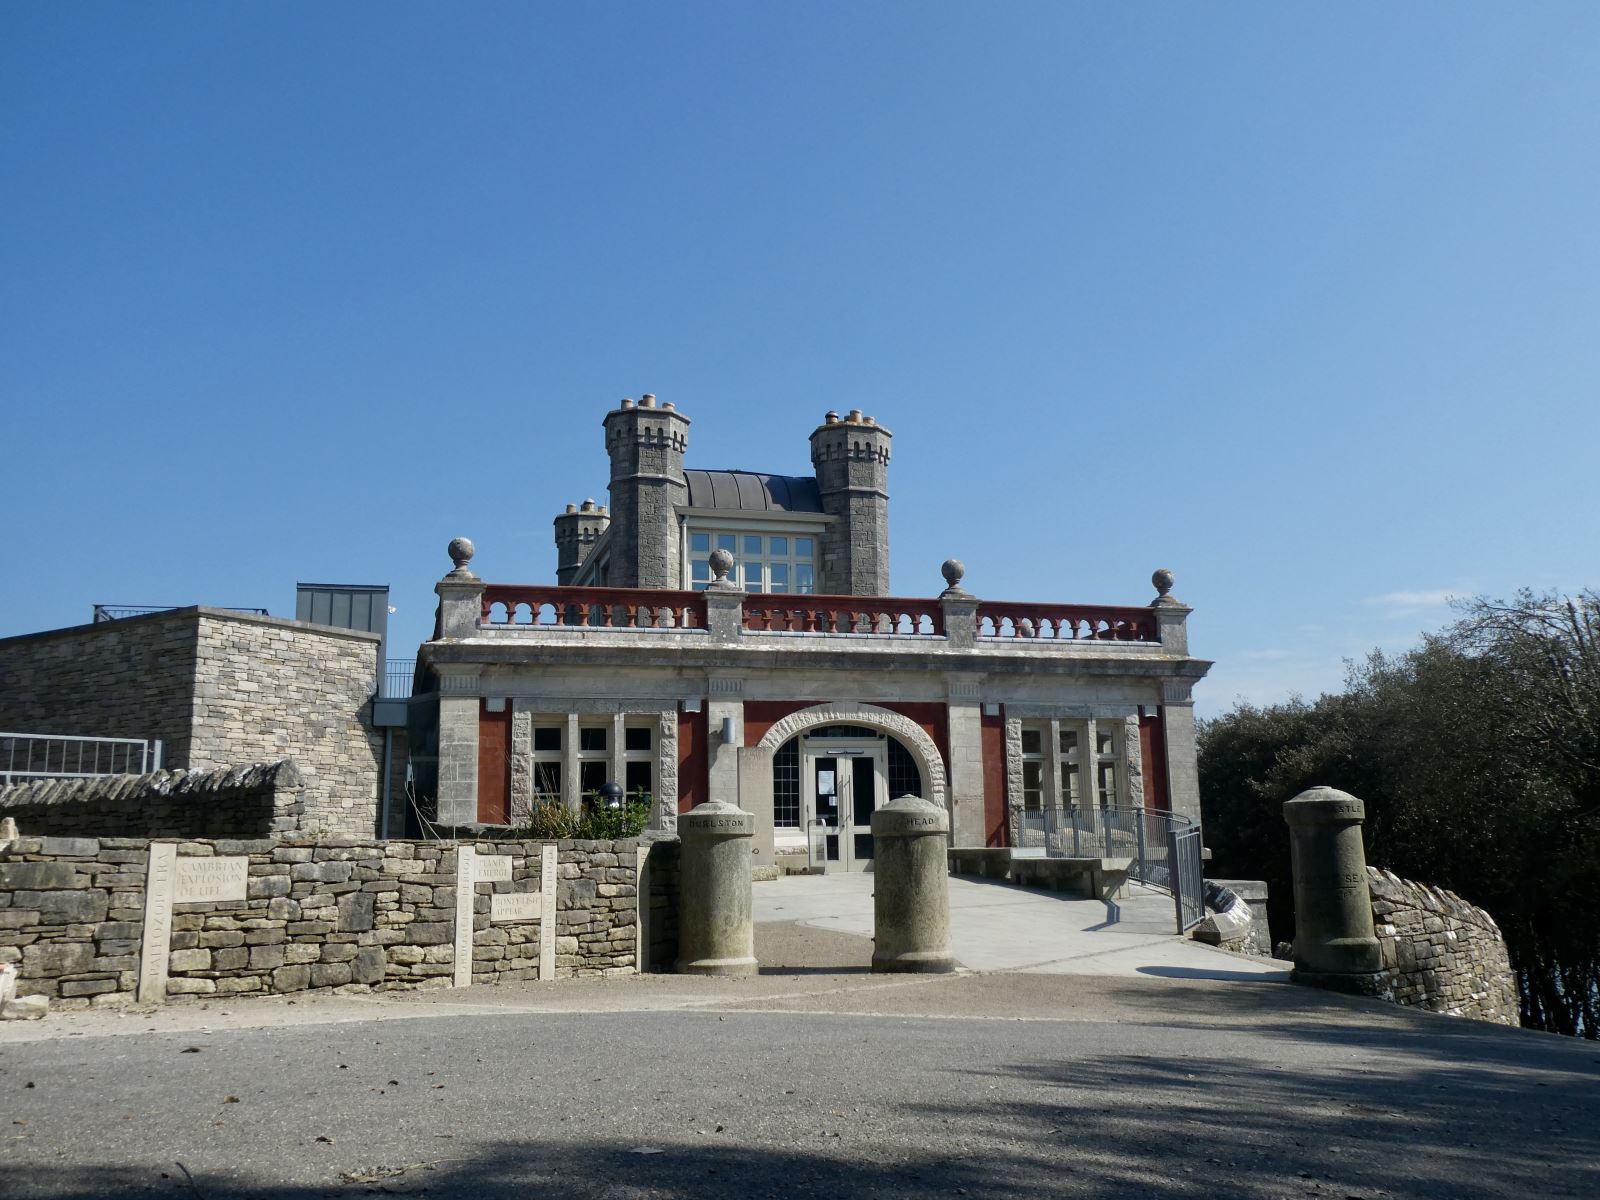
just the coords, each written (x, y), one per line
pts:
(1300, 301)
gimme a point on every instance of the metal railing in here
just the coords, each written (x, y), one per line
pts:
(116, 612)
(397, 678)
(1188, 876)
(1163, 848)
(64, 756)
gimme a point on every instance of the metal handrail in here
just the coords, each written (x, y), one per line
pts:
(70, 756)
(398, 676)
(118, 612)
(1139, 834)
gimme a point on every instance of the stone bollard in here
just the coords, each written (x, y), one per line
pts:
(1332, 906)
(911, 887)
(716, 925)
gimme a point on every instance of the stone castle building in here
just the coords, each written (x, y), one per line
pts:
(731, 633)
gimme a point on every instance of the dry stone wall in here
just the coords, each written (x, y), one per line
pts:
(257, 800)
(329, 913)
(1439, 952)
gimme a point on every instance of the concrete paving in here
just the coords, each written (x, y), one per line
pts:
(998, 927)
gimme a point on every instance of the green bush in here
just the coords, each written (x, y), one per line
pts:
(552, 821)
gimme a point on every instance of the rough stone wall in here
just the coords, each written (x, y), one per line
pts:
(130, 679)
(338, 913)
(257, 800)
(1440, 953)
(267, 689)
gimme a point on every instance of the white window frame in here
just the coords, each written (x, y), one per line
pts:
(653, 727)
(556, 756)
(740, 526)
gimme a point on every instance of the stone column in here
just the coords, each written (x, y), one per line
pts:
(911, 888)
(571, 772)
(1332, 905)
(724, 704)
(1183, 770)
(457, 799)
(619, 752)
(755, 797)
(716, 924)
(964, 710)
(1089, 764)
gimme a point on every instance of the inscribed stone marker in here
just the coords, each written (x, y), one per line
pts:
(157, 922)
(466, 891)
(516, 906)
(547, 926)
(201, 879)
(494, 868)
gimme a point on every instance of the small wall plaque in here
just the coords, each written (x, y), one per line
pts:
(197, 880)
(494, 868)
(516, 906)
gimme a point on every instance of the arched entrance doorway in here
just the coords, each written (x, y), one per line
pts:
(833, 765)
(827, 783)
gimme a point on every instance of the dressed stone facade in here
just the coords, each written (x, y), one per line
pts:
(729, 635)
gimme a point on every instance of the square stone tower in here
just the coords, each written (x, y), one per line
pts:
(851, 458)
(646, 445)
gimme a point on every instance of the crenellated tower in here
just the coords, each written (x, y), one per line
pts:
(646, 445)
(851, 458)
(577, 531)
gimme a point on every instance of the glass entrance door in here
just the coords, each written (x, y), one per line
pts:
(846, 780)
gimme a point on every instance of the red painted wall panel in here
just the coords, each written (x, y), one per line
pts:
(494, 765)
(1153, 756)
(694, 767)
(994, 781)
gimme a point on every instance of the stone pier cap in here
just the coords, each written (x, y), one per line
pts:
(909, 816)
(716, 819)
(1323, 806)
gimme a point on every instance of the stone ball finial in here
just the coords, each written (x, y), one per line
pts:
(953, 570)
(721, 564)
(461, 551)
(1163, 580)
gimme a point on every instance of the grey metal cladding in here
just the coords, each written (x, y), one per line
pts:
(752, 491)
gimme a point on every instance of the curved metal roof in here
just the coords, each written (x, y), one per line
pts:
(752, 491)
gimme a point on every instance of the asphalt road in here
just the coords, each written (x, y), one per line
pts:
(808, 1081)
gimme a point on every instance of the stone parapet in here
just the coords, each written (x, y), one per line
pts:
(251, 800)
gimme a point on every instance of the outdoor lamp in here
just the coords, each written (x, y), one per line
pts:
(610, 794)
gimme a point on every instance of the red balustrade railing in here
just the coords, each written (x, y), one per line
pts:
(1066, 622)
(764, 612)
(514, 606)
